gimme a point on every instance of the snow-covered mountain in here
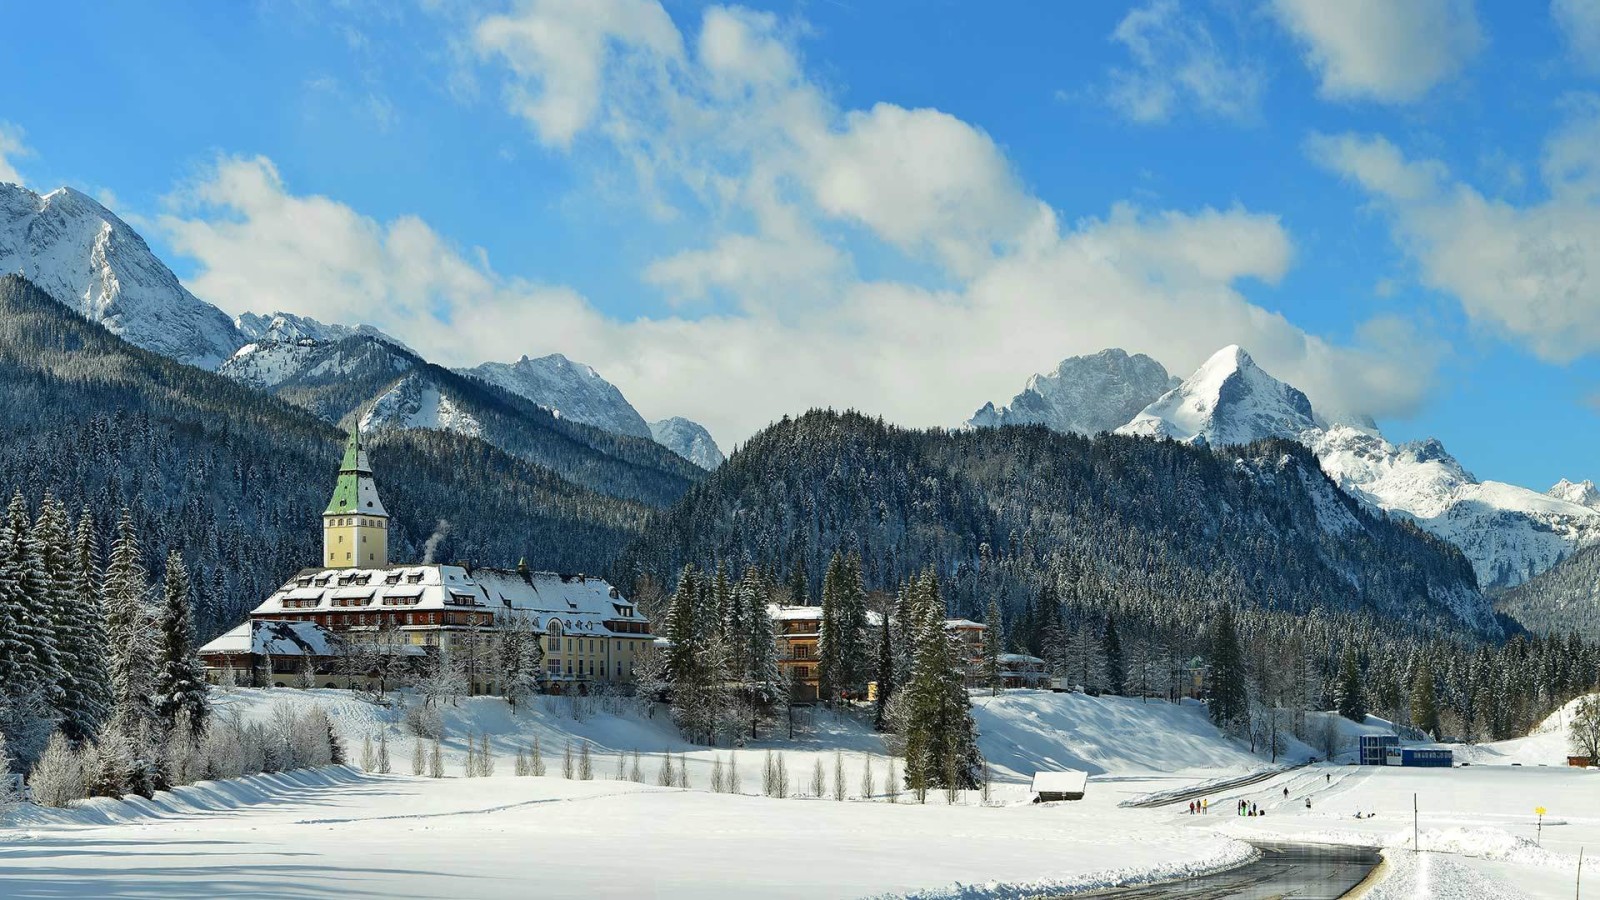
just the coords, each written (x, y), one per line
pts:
(288, 328)
(689, 440)
(81, 254)
(1085, 394)
(1228, 400)
(573, 389)
(1509, 533)
(1582, 493)
(268, 365)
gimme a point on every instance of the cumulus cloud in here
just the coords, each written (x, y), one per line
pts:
(1390, 52)
(1579, 21)
(1530, 272)
(787, 192)
(1177, 64)
(11, 147)
(558, 51)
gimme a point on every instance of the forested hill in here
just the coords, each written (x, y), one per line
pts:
(1560, 600)
(998, 512)
(237, 480)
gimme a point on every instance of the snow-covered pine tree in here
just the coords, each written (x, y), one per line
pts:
(992, 642)
(40, 664)
(180, 683)
(128, 630)
(90, 647)
(851, 609)
(941, 738)
(53, 542)
(763, 675)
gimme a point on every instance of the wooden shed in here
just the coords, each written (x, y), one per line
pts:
(1067, 784)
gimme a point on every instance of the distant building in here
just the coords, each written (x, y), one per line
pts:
(1067, 784)
(359, 606)
(797, 629)
(1019, 670)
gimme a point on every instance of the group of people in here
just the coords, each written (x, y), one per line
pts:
(1197, 807)
(1247, 808)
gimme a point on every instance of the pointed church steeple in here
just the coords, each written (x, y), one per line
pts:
(355, 527)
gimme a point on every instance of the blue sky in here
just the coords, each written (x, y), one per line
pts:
(738, 212)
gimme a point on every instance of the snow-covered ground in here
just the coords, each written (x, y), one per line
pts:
(342, 832)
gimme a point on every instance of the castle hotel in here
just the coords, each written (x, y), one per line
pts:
(328, 625)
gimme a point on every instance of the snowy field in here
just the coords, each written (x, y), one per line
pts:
(341, 832)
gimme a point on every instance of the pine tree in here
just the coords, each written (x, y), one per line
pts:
(886, 663)
(51, 539)
(830, 643)
(762, 672)
(1424, 702)
(128, 625)
(1116, 667)
(39, 666)
(992, 642)
(1349, 698)
(1229, 703)
(91, 654)
(180, 684)
(941, 738)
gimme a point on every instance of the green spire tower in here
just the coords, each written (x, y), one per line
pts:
(355, 527)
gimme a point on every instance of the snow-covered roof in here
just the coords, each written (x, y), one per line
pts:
(584, 605)
(950, 624)
(267, 637)
(1066, 781)
(791, 613)
(1019, 659)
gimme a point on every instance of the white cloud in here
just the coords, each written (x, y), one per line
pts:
(1383, 50)
(1579, 21)
(11, 147)
(1530, 272)
(779, 193)
(558, 51)
(1178, 64)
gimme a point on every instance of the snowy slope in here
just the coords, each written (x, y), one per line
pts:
(417, 402)
(689, 440)
(1228, 400)
(573, 389)
(84, 256)
(1085, 394)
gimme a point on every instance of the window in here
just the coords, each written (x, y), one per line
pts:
(553, 668)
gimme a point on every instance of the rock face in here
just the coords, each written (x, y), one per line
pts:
(1582, 493)
(1085, 394)
(689, 440)
(1228, 400)
(572, 389)
(85, 257)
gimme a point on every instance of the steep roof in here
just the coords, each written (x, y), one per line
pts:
(355, 493)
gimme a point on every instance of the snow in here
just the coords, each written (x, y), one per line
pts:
(288, 328)
(689, 440)
(573, 389)
(80, 253)
(336, 831)
(1228, 400)
(415, 401)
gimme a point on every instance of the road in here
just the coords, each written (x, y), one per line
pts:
(1298, 871)
(1211, 788)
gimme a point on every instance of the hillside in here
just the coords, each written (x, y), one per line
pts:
(237, 479)
(995, 509)
(382, 385)
(1561, 600)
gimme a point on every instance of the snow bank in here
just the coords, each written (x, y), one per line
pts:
(1235, 853)
(196, 799)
